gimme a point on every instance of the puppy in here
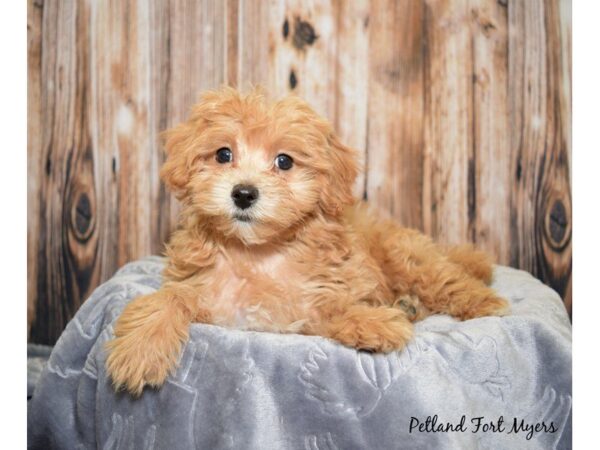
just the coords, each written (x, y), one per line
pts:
(270, 238)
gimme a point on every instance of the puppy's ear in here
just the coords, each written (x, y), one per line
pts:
(337, 192)
(175, 172)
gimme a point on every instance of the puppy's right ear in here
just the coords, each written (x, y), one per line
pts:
(176, 170)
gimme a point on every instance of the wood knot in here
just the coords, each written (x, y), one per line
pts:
(482, 79)
(557, 226)
(486, 24)
(286, 29)
(304, 34)
(293, 80)
(82, 218)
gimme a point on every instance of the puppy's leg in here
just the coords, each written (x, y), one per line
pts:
(149, 335)
(374, 328)
(415, 265)
(447, 288)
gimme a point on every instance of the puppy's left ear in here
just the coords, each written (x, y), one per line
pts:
(337, 192)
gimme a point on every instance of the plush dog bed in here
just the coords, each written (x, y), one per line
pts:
(250, 390)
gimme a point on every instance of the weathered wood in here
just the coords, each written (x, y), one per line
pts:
(163, 212)
(460, 111)
(120, 93)
(304, 62)
(395, 157)
(233, 23)
(66, 218)
(449, 153)
(35, 164)
(351, 116)
(489, 169)
(254, 43)
(540, 198)
(565, 67)
(554, 202)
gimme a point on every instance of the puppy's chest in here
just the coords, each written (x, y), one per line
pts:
(239, 286)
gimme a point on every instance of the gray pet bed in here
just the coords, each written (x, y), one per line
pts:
(251, 390)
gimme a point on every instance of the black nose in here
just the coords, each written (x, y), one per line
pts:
(244, 195)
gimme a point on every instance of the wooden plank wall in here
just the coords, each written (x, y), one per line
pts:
(461, 110)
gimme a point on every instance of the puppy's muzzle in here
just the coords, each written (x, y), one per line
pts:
(244, 195)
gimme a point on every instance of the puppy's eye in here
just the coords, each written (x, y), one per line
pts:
(284, 162)
(224, 155)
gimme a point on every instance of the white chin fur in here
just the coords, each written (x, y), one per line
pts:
(246, 233)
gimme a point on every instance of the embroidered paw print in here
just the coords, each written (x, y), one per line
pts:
(475, 362)
(375, 373)
(318, 374)
(123, 431)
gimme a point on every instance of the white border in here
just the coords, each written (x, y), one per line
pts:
(586, 223)
(13, 315)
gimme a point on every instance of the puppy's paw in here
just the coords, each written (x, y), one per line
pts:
(146, 346)
(377, 329)
(134, 361)
(412, 307)
(133, 364)
(489, 306)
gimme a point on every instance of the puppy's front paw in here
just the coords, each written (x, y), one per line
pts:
(135, 360)
(147, 343)
(378, 329)
(488, 306)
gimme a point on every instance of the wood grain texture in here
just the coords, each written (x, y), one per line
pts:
(254, 43)
(351, 87)
(66, 215)
(396, 127)
(304, 61)
(449, 152)
(541, 196)
(460, 111)
(35, 166)
(564, 91)
(490, 180)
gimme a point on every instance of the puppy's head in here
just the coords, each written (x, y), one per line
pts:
(254, 169)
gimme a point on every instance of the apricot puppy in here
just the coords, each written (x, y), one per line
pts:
(270, 238)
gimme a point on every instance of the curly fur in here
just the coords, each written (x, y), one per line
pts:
(306, 258)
